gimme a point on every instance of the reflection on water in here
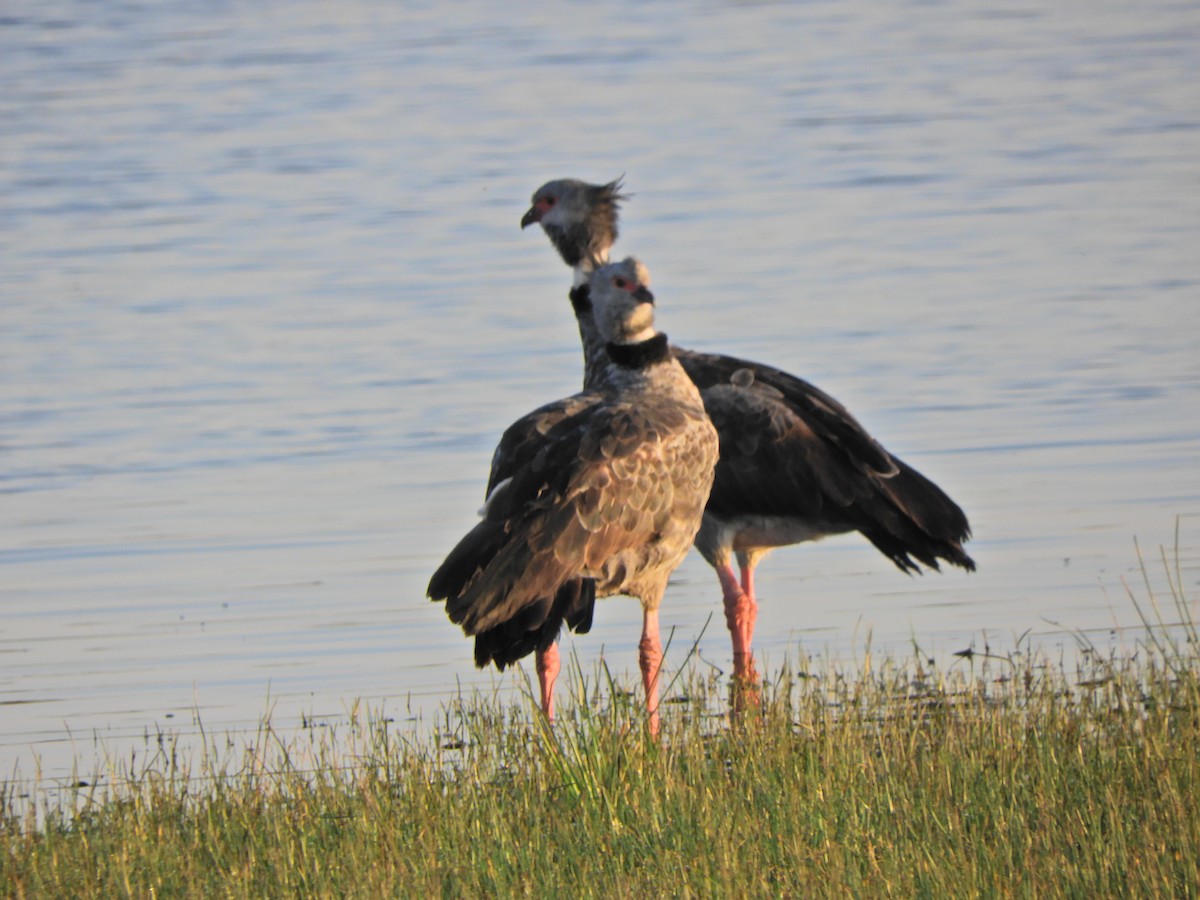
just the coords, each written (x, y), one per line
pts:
(266, 309)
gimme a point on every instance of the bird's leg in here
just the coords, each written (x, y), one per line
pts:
(748, 583)
(740, 612)
(750, 673)
(650, 658)
(547, 669)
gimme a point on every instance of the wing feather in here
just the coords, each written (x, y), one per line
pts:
(577, 489)
(783, 458)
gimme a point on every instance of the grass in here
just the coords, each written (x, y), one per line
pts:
(1003, 776)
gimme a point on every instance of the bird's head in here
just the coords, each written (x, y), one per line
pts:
(579, 218)
(622, 304)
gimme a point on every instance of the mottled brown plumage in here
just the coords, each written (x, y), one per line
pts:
(795, 465)
(597, 494)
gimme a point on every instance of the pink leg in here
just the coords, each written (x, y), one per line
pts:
(748, 584)
(547, 669)
(740, 612)
(650, 658)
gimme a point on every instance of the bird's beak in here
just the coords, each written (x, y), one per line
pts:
(534, 215)
(643, 295)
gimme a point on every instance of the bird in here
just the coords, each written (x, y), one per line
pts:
(597, 494)
(795, 465)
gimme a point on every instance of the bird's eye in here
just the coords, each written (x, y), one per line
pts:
(550, 201)
(620, 282)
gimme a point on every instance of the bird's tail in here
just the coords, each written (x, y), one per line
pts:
(538, 625)
(927, 524)
(510, 601)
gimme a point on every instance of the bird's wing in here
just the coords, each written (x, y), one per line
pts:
(526, 437)
(595, 482)
(821, 414)
(773, 462)
(798, 453)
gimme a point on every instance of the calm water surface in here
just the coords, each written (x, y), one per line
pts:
(266, 309)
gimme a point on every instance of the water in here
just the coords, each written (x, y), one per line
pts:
(266, 309)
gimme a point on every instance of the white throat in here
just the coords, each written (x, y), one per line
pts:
(583, 271)
(644, 335)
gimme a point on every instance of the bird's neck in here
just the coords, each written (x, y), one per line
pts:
(587, 264)
(640, 355)
(581, 300)
(595, 359)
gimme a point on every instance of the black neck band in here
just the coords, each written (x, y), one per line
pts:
(639, 356)
(581, 300)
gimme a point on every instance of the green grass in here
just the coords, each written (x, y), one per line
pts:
(997, 777)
